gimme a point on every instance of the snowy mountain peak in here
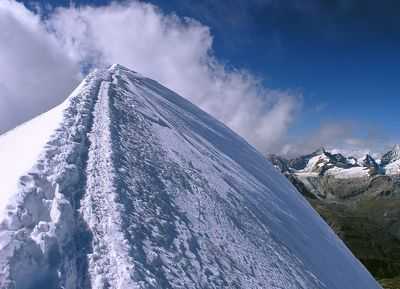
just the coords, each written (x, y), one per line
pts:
(391, 161)
(132, 186)
(117, 66)
(369, 161)
(319, 151)
(391, 156)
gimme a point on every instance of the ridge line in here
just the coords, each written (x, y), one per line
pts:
(100, 207)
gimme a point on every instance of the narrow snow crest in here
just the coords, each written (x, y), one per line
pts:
(39, 218)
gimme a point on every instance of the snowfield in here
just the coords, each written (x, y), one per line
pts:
(393, 168)
(20, 149)
(350, 173)
(131, 186)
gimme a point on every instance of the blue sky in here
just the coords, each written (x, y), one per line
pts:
(344, 56)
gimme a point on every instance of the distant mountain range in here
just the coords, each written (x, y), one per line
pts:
(359, 198)
(326, 175)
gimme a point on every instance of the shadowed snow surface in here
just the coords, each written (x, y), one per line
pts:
(138, 188)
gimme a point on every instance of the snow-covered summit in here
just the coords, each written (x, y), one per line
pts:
(135, 187)
(391, 161)
(369, 162)
(392, 155)
(322, 161)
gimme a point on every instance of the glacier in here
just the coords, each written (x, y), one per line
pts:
(128, 185)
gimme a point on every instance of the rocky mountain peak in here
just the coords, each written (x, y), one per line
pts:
(319, 151)
(392, 155)
(369, 162)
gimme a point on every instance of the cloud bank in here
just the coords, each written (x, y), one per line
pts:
(39, 65)
(35, 73)
(178, 53)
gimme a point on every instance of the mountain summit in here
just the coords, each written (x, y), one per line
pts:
(128, 185)
(392, 155)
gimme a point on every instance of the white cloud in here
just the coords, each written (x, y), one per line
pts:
(178, 53)
(38, 68)
(35, 73)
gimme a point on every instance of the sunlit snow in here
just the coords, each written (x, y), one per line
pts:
(20, 149)
(138, 188)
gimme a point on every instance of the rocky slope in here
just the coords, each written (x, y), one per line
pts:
(359, 199)
(135, 187)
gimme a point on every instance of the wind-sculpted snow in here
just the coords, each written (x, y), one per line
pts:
(138, 188)
(42, 238)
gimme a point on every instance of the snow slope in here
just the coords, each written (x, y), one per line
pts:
(138, 188)
(350, 173)
(20, 148)
(391, 161)
(393, 168)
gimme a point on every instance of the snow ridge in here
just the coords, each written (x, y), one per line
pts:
(138, 188)
(109, 264)
(41, 235)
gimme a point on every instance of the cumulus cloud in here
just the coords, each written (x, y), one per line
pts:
(39, 64)
(178, 53)
(35, 74)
